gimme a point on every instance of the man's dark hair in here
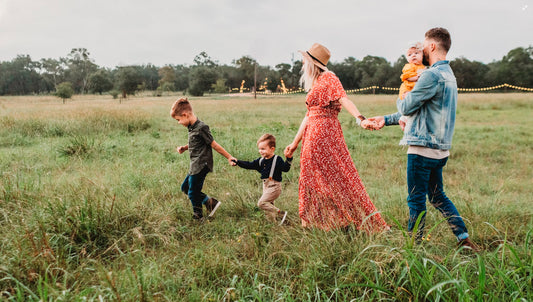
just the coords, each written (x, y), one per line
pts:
(441, 36)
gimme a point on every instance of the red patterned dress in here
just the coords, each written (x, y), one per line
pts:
(331, 194)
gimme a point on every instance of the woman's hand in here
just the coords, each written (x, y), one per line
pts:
(368, 125)
(289, 150)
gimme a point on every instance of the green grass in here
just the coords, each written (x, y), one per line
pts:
(90, 207)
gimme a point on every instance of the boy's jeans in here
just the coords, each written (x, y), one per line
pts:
(424, 177)
(192, 186)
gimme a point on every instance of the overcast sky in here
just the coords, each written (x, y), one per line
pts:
(123, 32)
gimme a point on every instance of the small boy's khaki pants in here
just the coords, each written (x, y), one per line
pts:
(271, 191)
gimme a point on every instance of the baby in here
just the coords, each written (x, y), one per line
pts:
(411, 71)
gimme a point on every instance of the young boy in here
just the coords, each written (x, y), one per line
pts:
(200, 143)
(270, 166)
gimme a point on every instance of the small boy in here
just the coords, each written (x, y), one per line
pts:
(200, 147)
(270, 166)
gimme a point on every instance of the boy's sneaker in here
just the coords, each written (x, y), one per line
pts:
(212, 205)
(283, 216)
(197, 213)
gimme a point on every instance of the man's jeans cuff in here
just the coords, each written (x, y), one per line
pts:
(462, 236)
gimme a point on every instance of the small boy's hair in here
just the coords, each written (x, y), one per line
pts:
(269, 138)
(180, 106)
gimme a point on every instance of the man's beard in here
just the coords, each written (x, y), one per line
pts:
(425, 59)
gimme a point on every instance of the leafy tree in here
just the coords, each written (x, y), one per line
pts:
(203, 59)
(396, 71)
(127, 80)
(149, 75)
(374, 71)
(80, 67)
(52, 70)
(246, 67)
(294, 81)
(469, 74)
(100, 81)
(231, 75)
(19, 76)
(64, 91)
(200, 80)
(167, 77)
(203, 75)
(517, 67)
(346, 71)
(220, 86)
(182, 77)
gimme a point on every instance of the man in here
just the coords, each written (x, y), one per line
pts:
(431, 106)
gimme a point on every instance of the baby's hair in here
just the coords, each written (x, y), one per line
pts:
(180, 106)
(269, 138)
(416, 45)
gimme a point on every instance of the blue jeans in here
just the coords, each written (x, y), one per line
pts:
(424, 177)
(192, 186)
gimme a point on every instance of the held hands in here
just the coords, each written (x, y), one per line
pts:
(373, 123)
(232, 161)
(289, 150)
(369, 125)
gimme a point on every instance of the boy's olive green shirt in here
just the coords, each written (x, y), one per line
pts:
(200, 151)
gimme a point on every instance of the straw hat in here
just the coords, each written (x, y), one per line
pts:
(318, 54)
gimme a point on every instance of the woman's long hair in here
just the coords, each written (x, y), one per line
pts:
(310, 73)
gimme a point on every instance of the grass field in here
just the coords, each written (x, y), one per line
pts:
(90, 207)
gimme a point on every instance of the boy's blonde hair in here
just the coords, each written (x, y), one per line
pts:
(269, 138)
(180, 106)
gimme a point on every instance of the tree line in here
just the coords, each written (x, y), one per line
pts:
(78, 71)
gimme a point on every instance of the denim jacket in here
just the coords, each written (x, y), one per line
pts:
(431, 109)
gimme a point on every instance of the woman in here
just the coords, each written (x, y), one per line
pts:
(331, 194)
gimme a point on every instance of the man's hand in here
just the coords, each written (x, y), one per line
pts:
(232, 161)
(182, 149)
(402, 124)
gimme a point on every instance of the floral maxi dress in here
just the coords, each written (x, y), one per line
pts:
(331, 194)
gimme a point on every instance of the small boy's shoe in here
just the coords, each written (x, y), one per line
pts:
(283, 216)
(467, 243)
(212, 205)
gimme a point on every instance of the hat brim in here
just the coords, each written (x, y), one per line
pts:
(318, 64)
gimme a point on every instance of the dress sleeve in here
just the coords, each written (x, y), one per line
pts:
(332, 89)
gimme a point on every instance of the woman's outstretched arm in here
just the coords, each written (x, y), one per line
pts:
(289, 150)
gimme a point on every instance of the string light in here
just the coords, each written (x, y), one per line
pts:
(397, 89)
